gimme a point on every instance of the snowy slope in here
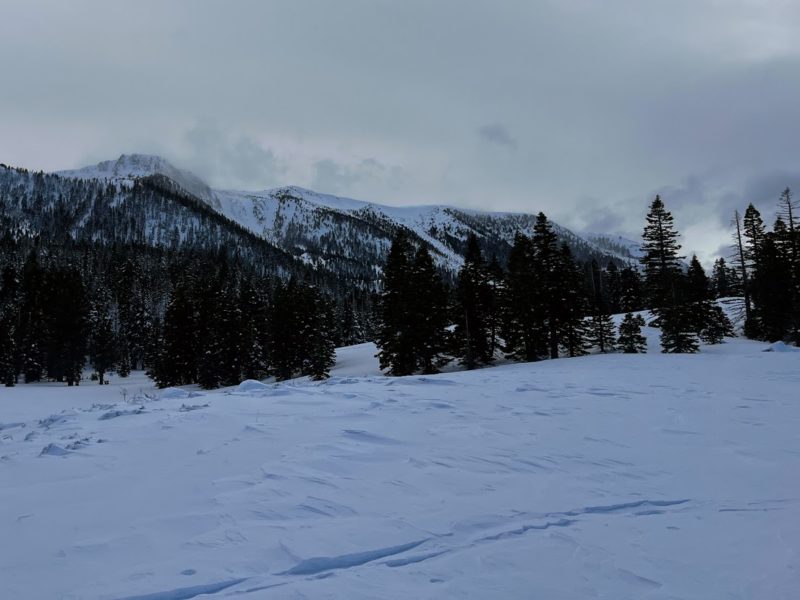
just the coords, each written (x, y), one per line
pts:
(347, 235)
(130, 166)
(646, 476)
(616, 244)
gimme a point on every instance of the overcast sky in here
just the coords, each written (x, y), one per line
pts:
(583, 109)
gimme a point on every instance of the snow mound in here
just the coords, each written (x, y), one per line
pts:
(53, 450)
(172, 393)
(781, 347)
(251, 385)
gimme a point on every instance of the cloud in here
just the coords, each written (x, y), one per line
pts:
(601, 219)
(497, 134)
(561, 101)
(334, 177)
(227, 160)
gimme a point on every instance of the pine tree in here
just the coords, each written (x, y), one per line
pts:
(602, 332)
(428, 314)
(523, 329)
(631, 340)
(394, 339)
(678, 333)
(548, 263)
(32, 331)
(177, 359)
(740, 262)
(611, 281)
(716, 325)
(102, 341)
(660, 258)
(67, 325)
(630, 293)
(321, 353)
(570, 305)
(474, 299)
(721, 279)
(789, 213)
(754, 236)
(285, 331)
(697, 285)
(496, 280)
(771, 318)
(8, 371)
(253, 309)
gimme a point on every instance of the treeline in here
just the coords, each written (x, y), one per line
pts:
(768, 264)
(188, 316)
(221, 328)
(543, 303)
(534, 307)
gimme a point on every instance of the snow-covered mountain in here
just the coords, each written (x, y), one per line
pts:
(345, 235)
(132, 166)
(616, 244)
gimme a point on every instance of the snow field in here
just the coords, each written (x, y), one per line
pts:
(639, 476)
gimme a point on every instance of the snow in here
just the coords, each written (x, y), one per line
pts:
(617, 476)
(128, 167)
(781, 347)
(284, 215)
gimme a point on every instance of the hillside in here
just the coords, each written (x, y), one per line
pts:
(347, 237)
(617, 476)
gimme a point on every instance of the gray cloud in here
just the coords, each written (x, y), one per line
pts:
(231, 161)
(331, 176)
(497, 134)
(611, 100)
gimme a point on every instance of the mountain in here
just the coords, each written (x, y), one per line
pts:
(132, 166)
(616, 244)
(348, 237)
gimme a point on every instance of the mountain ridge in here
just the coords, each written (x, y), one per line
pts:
(331, 232)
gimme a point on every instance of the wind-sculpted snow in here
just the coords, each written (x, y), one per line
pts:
(620, 476)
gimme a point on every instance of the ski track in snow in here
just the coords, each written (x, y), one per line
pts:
(606, 476)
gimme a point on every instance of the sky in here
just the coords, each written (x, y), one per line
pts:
(581, 109)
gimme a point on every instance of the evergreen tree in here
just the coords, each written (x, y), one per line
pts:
(8, 348)
(253, 308)
(177, 359)
(32, 331)
(394, 336)
(741, 265)
(631, 340)
(612, 288)
(697, 285)
(428, 314)
(523, 328)
(474, 300)
(771, 317)
(548, 269)
(789, 214)
(284, 326)
(66, 325)
(602, 332)
(630, 293)
(660, 258)
(102, 341)
(496, 281)
(321, 353)
(721, 279)
(678, 333)
(570, 306)
(754, 235)
(716, 325)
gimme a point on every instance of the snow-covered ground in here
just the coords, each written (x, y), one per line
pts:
(647, 476)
